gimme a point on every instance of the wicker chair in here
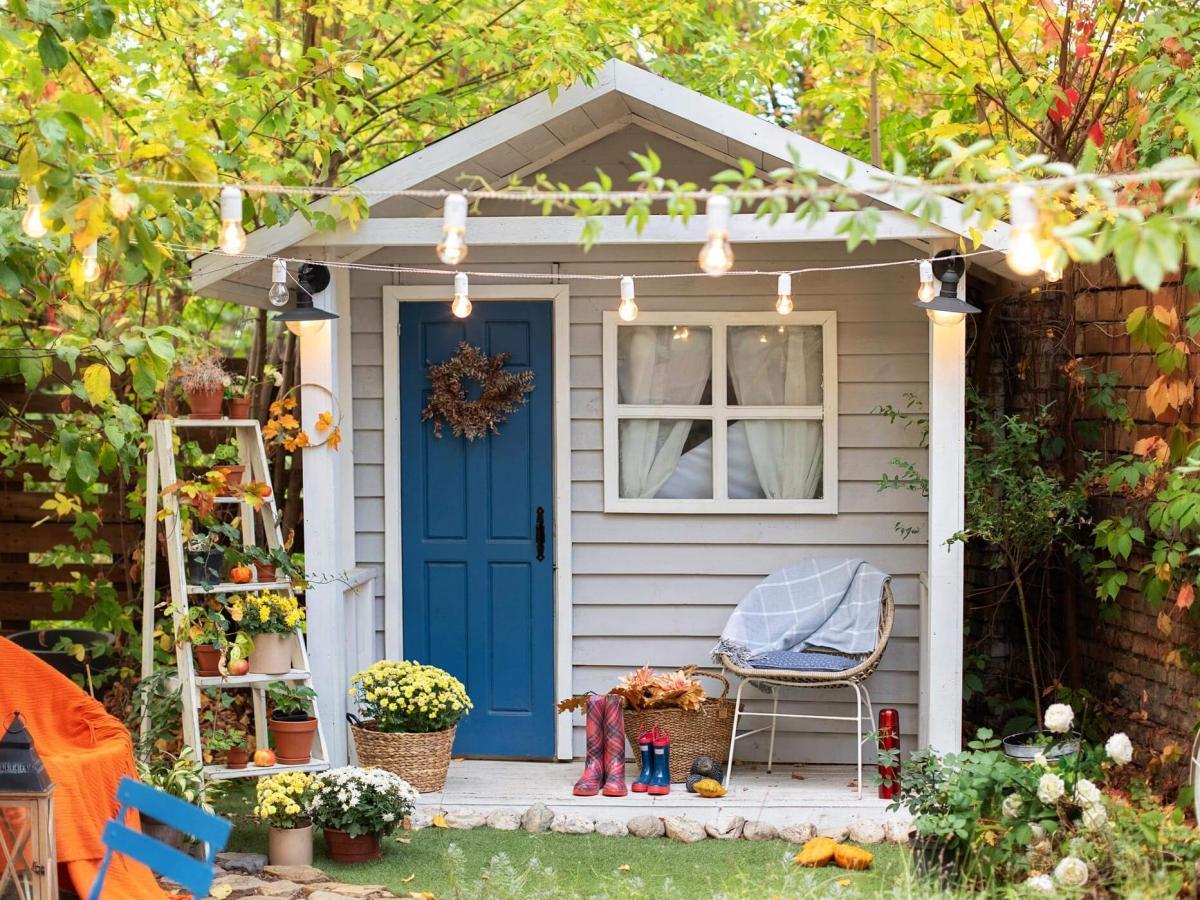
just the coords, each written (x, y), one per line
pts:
(854, 677)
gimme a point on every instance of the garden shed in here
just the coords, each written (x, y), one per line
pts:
(619, 516)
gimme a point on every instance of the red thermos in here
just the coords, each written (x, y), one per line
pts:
(889, 739)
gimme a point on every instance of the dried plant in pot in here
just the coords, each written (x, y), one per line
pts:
(203, 382)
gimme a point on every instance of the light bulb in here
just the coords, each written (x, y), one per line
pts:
(300, 329)
(1023, 255)
(628, 309)
(941, 317)
(784, 304)
(233, 236)
(1053, 267)
(32, 223)
(716, 256)
(278, 294)
(928, 290)
(461, 304)
(90, 268)
(453, 248)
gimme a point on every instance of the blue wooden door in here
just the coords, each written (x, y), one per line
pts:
(478, 600)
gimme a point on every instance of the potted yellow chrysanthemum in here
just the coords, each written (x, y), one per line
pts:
(272, 620)
(285, 807)
(412, 712)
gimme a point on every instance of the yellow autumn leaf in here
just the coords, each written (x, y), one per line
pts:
(324, 420)
(97, 382)
(624, 867)
(1165, 625)
(354, 70)
(439, 821)
(220, 891)
(844, 882)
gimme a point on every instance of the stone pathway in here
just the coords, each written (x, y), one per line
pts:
(241, 875)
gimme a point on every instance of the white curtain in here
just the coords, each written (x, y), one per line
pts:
(773, 368)
(658, 365)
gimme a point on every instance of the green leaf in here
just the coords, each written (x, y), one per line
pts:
(27, 161)
(50, 49)
(97, 381)
(85, 467)
(33, 370)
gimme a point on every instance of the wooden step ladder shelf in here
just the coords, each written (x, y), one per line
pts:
(161, 470)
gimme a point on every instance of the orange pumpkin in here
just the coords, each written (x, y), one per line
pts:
(850, 857)
(241, 574)
(817, 852)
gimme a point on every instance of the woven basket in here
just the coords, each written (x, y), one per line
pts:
(701, 732)
(420, 759)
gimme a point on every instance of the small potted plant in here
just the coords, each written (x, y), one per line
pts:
(227, 461)
(412, 712)
(231, 742)
(203, 382)
(238, 395)
(292, 724)
(283, 806)
(179, 776)
(357, 807)
(272, 564)
(204, 629)
(205, 558)
(272, 621)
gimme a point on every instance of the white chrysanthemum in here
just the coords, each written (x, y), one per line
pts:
(1094, 816)
(1040, 884)
(1119, 748)
(1086, 793)
(1071, 871)
(1058, 718)
(1050, 788)
(1012, 806)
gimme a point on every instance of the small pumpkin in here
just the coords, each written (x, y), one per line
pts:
(709, 787)
(817, 852)
(241, 574)
(847, 856)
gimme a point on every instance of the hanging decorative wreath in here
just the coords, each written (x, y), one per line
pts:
(501, 393)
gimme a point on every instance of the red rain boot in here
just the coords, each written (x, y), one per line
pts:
(593, 767)
(614, 747)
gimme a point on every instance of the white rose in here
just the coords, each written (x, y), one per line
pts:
(1012, 806)
(1071, 871)
(1058, 718)
(1050, 788)
(1094, 816)
(1086, 793)
(1039, 759)
(1119, 748)
(1040, 884)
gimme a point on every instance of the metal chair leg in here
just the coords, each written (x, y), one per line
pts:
(733, 736)
(870, 709)
(774, 719)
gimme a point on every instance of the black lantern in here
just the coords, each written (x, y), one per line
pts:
(946, 308)
(304, 318)
(28, 868)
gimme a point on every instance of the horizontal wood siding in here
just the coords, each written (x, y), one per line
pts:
(657, 589)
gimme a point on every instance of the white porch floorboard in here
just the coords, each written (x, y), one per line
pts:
(823, 795)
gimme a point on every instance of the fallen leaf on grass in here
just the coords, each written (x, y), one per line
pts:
(408, 879)
(623, 868)
(844, 882)
(439, 821)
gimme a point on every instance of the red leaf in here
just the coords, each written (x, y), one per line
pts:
(1072, 97)
(1082, 49)
(1186, 596)
(1172, 44)
(1096, 133)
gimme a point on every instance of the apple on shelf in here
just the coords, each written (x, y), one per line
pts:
(264, 758)
(239, 666)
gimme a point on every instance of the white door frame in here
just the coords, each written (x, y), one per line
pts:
(560, 297)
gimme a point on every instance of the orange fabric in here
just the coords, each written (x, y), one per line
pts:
(86, 752)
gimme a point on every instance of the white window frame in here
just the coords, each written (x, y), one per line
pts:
(720, 413)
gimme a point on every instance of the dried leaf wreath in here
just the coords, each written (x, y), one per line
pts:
(501, 393)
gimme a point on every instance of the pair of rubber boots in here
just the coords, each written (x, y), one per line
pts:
(655, 777)
(604, 766)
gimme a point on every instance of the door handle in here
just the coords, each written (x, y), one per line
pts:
(540, 533)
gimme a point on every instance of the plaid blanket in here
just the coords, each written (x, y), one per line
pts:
(830, 604)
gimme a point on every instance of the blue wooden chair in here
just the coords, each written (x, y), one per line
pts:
(193, 874)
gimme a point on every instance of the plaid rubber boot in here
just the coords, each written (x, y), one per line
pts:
(593, 767)
(614, 747)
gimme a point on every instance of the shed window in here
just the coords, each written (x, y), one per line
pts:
(720, 412)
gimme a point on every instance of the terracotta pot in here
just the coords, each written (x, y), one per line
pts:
(293, 740)
(264, 572)
(239, 407)
(205, 404)
(237, 758)
(344, 848)
(208, 659)
(290, 846)
(233, 474)
(272, 654)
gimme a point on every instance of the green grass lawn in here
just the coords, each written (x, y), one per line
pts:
(493, 864)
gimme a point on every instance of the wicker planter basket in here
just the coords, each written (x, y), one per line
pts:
(702, 732)
(420, 759)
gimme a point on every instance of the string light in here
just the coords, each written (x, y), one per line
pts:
(716, 256)
(1024, 257)
(628, 308)
(90, 268)
(233, 235)
(453, 247)
(32, 222)
(784, 305)
(278, 294)
(928, 289)
(461, 304)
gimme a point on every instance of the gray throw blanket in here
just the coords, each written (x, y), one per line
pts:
(830, 604)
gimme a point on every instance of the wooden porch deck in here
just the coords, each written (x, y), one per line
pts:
(822, 795)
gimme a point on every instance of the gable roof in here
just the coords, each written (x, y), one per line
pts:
(523, 138)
